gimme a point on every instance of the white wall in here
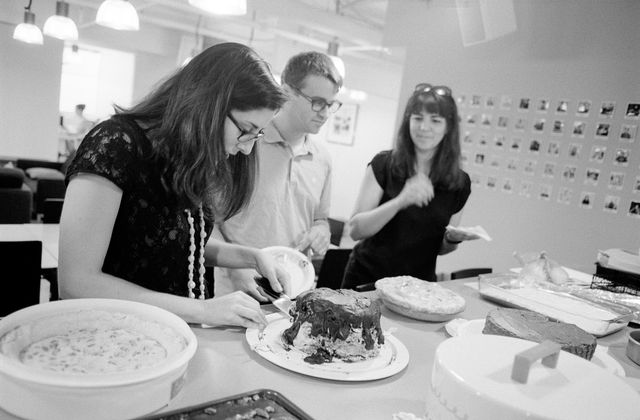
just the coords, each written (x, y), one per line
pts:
(561, 49)
(29, 95)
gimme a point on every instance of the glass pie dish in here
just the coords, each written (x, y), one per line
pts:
(597, 317)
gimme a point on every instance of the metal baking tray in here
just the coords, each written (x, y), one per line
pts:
(595, 316)
(253, 404)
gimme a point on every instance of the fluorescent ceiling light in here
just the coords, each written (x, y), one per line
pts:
(221, 7)
(60, 25)
(28, 31)
(118, 14)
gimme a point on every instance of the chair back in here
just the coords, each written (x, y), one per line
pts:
(52, 209)
(336, 227)
(16, 199)
(332, 268)
(47, 189)
(20, 263)
(15, 205)
(470, 272)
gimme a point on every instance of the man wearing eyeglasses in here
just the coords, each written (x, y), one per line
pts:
(290, 203)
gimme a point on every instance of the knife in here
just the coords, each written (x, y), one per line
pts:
(281, 300)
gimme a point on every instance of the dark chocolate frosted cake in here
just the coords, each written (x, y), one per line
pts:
(532, 326)
(335, 323)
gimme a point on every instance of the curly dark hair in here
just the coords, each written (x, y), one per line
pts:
(184, 118)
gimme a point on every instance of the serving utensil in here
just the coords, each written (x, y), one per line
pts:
(281, 300)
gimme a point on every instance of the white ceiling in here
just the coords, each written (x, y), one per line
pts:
(357, 25)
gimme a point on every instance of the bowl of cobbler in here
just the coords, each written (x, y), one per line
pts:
(92, 358)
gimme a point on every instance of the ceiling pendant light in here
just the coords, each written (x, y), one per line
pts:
(332, 52)
(118, 14)
(60, 25)
(221, 7)
(28, 31)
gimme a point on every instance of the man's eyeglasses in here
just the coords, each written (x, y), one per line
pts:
(246, 136)
(318, 104)
(438, 90)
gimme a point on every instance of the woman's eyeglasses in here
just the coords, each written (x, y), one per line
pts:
(246, 136)
(438, 90)
(318, 104)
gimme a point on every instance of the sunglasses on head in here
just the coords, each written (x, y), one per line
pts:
(438, 90)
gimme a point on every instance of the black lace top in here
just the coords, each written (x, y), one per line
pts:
(150, 240)
(409, 243)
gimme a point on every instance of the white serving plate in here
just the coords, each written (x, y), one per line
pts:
(300, 269)
(35, 393)
(392, 359)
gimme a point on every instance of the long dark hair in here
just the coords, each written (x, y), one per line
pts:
(445, 167)
(184, 119)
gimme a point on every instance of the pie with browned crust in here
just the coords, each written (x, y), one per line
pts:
(419, 299)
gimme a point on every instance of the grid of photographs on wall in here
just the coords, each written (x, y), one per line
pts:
(572, 151)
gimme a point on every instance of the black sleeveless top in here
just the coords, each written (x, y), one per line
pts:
(150, 240)
(409, 243)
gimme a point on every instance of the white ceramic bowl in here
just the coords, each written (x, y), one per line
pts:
(37, 393)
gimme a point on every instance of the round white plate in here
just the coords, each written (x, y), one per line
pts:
(297, 265)
(600, 357)
(392, 359)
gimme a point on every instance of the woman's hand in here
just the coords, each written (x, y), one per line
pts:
(268, 267)
(236, 308)
(417, 191)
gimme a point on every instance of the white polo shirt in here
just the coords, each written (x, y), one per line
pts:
(292, 193)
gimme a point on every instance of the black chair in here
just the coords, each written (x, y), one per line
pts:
(47, 189)
(20, 262)
(16, 199)
(51, 210)
(336, 227)
(332, 268)
(470, 272)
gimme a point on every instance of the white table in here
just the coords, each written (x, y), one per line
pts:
(47, 233)
(225, 365)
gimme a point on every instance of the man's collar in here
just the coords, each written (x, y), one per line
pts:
(272, 135)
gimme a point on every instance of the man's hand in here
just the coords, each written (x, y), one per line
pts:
(317, 239)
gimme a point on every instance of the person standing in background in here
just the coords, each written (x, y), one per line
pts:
(290, 205)
(73, 128)
(77, 123)
(410, 194)
(147, 184)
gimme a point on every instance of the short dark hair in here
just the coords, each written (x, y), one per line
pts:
(185, 116)
(445, 169)
(310, 63)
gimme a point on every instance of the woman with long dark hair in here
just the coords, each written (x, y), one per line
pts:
(147, 185)
(410, 194)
